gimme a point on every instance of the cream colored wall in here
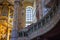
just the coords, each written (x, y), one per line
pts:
(34, 12)
(27, 4)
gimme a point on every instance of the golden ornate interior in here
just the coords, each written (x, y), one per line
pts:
(6, 17)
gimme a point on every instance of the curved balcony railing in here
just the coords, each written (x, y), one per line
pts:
(45, 20)
(23, 34)
(42, 22)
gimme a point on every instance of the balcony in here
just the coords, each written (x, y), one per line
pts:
(43, 25)
(46, 23)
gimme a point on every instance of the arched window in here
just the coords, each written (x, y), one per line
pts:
(29, 15)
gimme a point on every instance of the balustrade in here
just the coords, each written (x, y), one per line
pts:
(42, 22)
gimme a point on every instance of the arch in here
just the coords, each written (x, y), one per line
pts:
(29, 6)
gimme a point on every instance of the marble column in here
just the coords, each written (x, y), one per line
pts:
(14, 35)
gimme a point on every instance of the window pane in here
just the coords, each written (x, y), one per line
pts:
(29, 13)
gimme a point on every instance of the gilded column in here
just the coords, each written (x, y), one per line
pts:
(4, 13)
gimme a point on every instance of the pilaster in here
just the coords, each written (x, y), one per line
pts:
(39, 9)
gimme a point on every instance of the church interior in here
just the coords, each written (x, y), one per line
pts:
(29, 19)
